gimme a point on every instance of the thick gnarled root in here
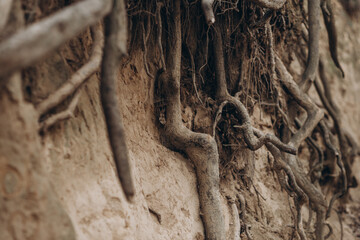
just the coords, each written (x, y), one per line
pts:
(200, 148)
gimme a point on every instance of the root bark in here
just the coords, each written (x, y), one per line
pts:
(313, 45)
(38, 40)
(114, 49)
(200, 148)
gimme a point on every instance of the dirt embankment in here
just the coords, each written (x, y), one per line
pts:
(82, 172)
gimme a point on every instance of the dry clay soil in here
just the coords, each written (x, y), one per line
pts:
(166, 205)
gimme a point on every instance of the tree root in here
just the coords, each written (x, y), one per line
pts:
(329, 144)
(298, 181)
(159, 33)
(299, 224)
(271, 4)
(329, 20)
(345, 145)
(252, 142)
(236, 227)
(314, 115)
(193, 75)
(114, 49)
(5, 7)
(313, 45)
(27, 46)
(281, 164)
(200, 148)
(68, 113)
(145, 36)
(76, 79)
(243, 215)
(207, 7)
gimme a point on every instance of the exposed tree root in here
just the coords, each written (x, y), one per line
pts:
(68, 113)
(114, 49)
(314, 115)
(193, 75)
(329, 144)
(281, 164)
(200, 148)
(295, 173)
(145, 36)
(299, 224)
(271, 4)
(222, 95)
(159, 5)
(76, 79)
(345, 146)
(38, 40)
(329, 20)
(313, 45)
(341, 225)
(5, 6)
(207, 6)
(243, 215)
(236, 227)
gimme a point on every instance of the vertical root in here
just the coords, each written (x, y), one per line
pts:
(200, 148)
(313, 45)
(236, 227)
(145, 36)
(329, 20)
(114, 49)
(299, 224)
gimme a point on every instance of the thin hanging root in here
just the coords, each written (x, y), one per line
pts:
(308, 224)
(271, 55)
(114, 50)
(328, 143)
(326, 84)
(330, 231)
(205, 55)
(251, 140)
(299, 224)
(341, 225)
(243, 215)
(316, 167)
(36, 41)
(314, 115)
(313, 45)
(68, 113)
(200, 148)
(145, 36)
(193, 75)
(281, 164)
(235, 226)
(159, 33)
(78, 78)
(218, 116)
(207, 7)
(329, 20)
(334, 112)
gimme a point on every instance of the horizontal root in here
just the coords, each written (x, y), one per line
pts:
(38, 40)
(271, 4)
(68, 113)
